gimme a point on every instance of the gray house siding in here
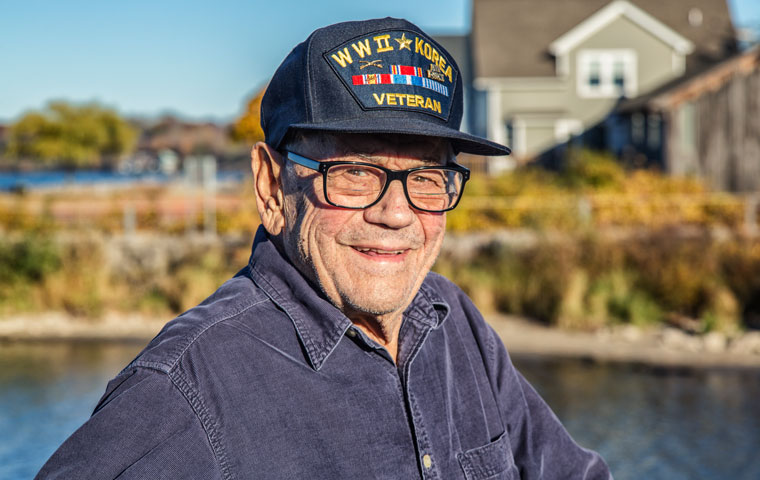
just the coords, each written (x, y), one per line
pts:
(529, 91)
(536, 113)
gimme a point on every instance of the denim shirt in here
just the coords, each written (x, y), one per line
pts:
(267, 379)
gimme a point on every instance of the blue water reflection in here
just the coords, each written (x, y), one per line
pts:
(46, 392)
(648, 423)
(59, 178)
(657, 423)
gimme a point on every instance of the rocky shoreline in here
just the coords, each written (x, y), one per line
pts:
(59, 326)
(656, 346)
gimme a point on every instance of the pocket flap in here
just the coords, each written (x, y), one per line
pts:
(493, 460)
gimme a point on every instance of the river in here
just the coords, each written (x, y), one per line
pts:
(647, 422)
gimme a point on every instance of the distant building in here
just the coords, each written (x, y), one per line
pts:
(546, 70)
(706, 124)
(165, 143)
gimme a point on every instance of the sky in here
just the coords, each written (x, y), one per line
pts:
(200, 60)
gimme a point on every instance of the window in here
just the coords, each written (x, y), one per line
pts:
(593, 74)
(618, 76)
(606, 73)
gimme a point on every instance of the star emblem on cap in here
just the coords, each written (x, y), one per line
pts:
(404, 42)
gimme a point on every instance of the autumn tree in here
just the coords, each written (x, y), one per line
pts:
(72, 135)
(247, 128)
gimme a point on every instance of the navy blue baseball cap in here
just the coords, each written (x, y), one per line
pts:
(374, 76)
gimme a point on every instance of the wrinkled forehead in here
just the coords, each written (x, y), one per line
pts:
(428, 149)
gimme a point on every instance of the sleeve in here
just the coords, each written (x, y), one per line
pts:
(542, 447)
(142, 428)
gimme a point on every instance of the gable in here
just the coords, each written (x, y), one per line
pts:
(609, 14)
(511, 38)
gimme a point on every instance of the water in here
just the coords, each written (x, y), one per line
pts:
(647, 423)
(657, 423)
(58, 178)
(47, 391)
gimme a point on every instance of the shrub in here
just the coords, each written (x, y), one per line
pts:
(586, 169)
(586, 282)
(27, 260)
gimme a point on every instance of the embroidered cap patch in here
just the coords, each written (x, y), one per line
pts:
(398, 69)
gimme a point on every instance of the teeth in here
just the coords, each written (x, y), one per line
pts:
(382, 252)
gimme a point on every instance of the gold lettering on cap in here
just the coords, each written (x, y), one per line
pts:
(343, 57)
(418, 44)
(394, 99)
(428, 51)
(362, 48)
(383, 45)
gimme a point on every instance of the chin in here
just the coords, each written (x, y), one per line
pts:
(376, 303)
(375, 309)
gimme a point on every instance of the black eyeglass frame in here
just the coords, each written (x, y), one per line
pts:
(391, 175)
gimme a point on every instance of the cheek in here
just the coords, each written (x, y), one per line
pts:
(319, 228)
(327, 223)
(434, 226)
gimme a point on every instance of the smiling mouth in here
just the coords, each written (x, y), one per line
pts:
(377, 251)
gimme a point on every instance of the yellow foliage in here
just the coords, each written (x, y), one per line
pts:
(248, 126)
(594, 191)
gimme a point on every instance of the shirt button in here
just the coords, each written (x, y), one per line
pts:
(351, 332)
(427, 461)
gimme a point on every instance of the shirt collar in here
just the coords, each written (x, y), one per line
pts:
(318, 323)
(428, 307)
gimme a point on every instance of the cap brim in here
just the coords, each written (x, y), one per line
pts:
(460, 141)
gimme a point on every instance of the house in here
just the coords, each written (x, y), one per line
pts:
(546, 70)
(706, 125)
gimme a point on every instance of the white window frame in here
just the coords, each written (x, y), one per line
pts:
(606, 59)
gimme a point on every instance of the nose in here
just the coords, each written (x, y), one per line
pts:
(393, 210)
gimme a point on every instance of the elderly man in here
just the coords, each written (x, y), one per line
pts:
(335, 353)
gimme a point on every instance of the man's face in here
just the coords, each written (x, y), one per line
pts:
(366, 261)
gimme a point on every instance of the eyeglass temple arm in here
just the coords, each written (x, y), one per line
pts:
(306, 162)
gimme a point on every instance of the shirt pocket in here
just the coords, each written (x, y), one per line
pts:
(493, 461)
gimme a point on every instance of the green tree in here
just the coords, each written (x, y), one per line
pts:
(71, 135)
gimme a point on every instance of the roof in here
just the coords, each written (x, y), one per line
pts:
(458, 47)
(512, 38)
(695, 85)
(610, 12)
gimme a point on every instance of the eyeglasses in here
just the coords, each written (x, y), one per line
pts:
(360, 185)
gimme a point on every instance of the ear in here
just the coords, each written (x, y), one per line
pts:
(266, 165)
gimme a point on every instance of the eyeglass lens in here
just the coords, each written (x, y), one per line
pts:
(357, 186)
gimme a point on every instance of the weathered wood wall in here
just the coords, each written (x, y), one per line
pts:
(727, 111)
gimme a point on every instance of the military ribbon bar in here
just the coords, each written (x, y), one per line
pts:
(387, 78)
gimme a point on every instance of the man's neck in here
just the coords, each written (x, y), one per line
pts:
(383, 329)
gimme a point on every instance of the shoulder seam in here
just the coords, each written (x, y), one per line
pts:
(210, 324)
(194, 400)
(175, 355)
